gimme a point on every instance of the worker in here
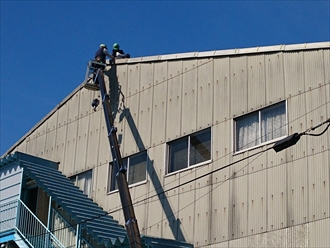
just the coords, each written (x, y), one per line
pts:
(100, 56)
(118, 53)
(102, 53)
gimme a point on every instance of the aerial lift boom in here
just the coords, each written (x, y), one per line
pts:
(125, 197)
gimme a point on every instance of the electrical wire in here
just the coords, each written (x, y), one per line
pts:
(212, 161)
(228, 165)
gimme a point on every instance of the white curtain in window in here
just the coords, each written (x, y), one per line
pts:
(247, 131)
(273, 123)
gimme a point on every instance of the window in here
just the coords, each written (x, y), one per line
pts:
(260, 126)
(136, 170)
(190, 150)
(84, 182)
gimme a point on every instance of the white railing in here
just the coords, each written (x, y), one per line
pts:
(64, 231)
(16, 215)
(8, 213)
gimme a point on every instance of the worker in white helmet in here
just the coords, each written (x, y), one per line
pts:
(102, 53)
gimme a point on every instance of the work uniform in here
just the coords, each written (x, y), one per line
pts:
(101, 54)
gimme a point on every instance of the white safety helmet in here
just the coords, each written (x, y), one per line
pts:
(103, 46)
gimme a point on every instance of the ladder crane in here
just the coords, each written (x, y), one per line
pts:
(97, 68)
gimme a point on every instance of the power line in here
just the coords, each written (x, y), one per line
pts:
(306, 133)
(195, 179)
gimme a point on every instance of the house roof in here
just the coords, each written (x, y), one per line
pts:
(92, 218)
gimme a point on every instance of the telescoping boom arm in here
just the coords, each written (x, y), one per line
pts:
(125, 197)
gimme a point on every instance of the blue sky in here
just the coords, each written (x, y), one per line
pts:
(45, 45)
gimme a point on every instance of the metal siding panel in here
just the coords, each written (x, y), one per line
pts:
(138, 194)
(146, 93)
(147, 76)
(59, 151)
(146, 100)
(169, 223)
(221, 87)
(296, 112)
(189, 97)
(294, 73)
(41, 140)
(239, 168)
(122, 78)
(118, 88)
(85, 99)
(258, 162)
(256, 81)
(186, 213)
(160, 72)
(158, 122)
(221, 143)
(259, 240)
(104, 153)
(238, 207)
(277, 197)
(82, 143)
(154, 206)
(274, 78)
(71, 139)
(133, 80)
(319, 233)
(316, 112)
(145, 119)
(60, 144)
(31, 143)
(205, 93)
(326, 55)
(63, 115)
(21, 147)
(94, 139)
(118, 94)
(318, 186)
(42, 129)
(257, 202)
(219, 245)
(51, 136)
(114, 206)
(297, 192)
(73, 107)
(159, 114)
(131, 132)
(238, 243)
(238, 86)
(277, 238)
(70, 149)
(220, 205)
(100, 182)
(298, 236)
(174, 100)
(203, 211)
(314, 69)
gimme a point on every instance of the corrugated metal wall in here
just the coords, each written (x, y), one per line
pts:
(272, 200)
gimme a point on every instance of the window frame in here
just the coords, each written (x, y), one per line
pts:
(74, 180)
(167, 161)
(112, 176)
(259, 111)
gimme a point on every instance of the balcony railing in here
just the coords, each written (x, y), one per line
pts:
(15, 216)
